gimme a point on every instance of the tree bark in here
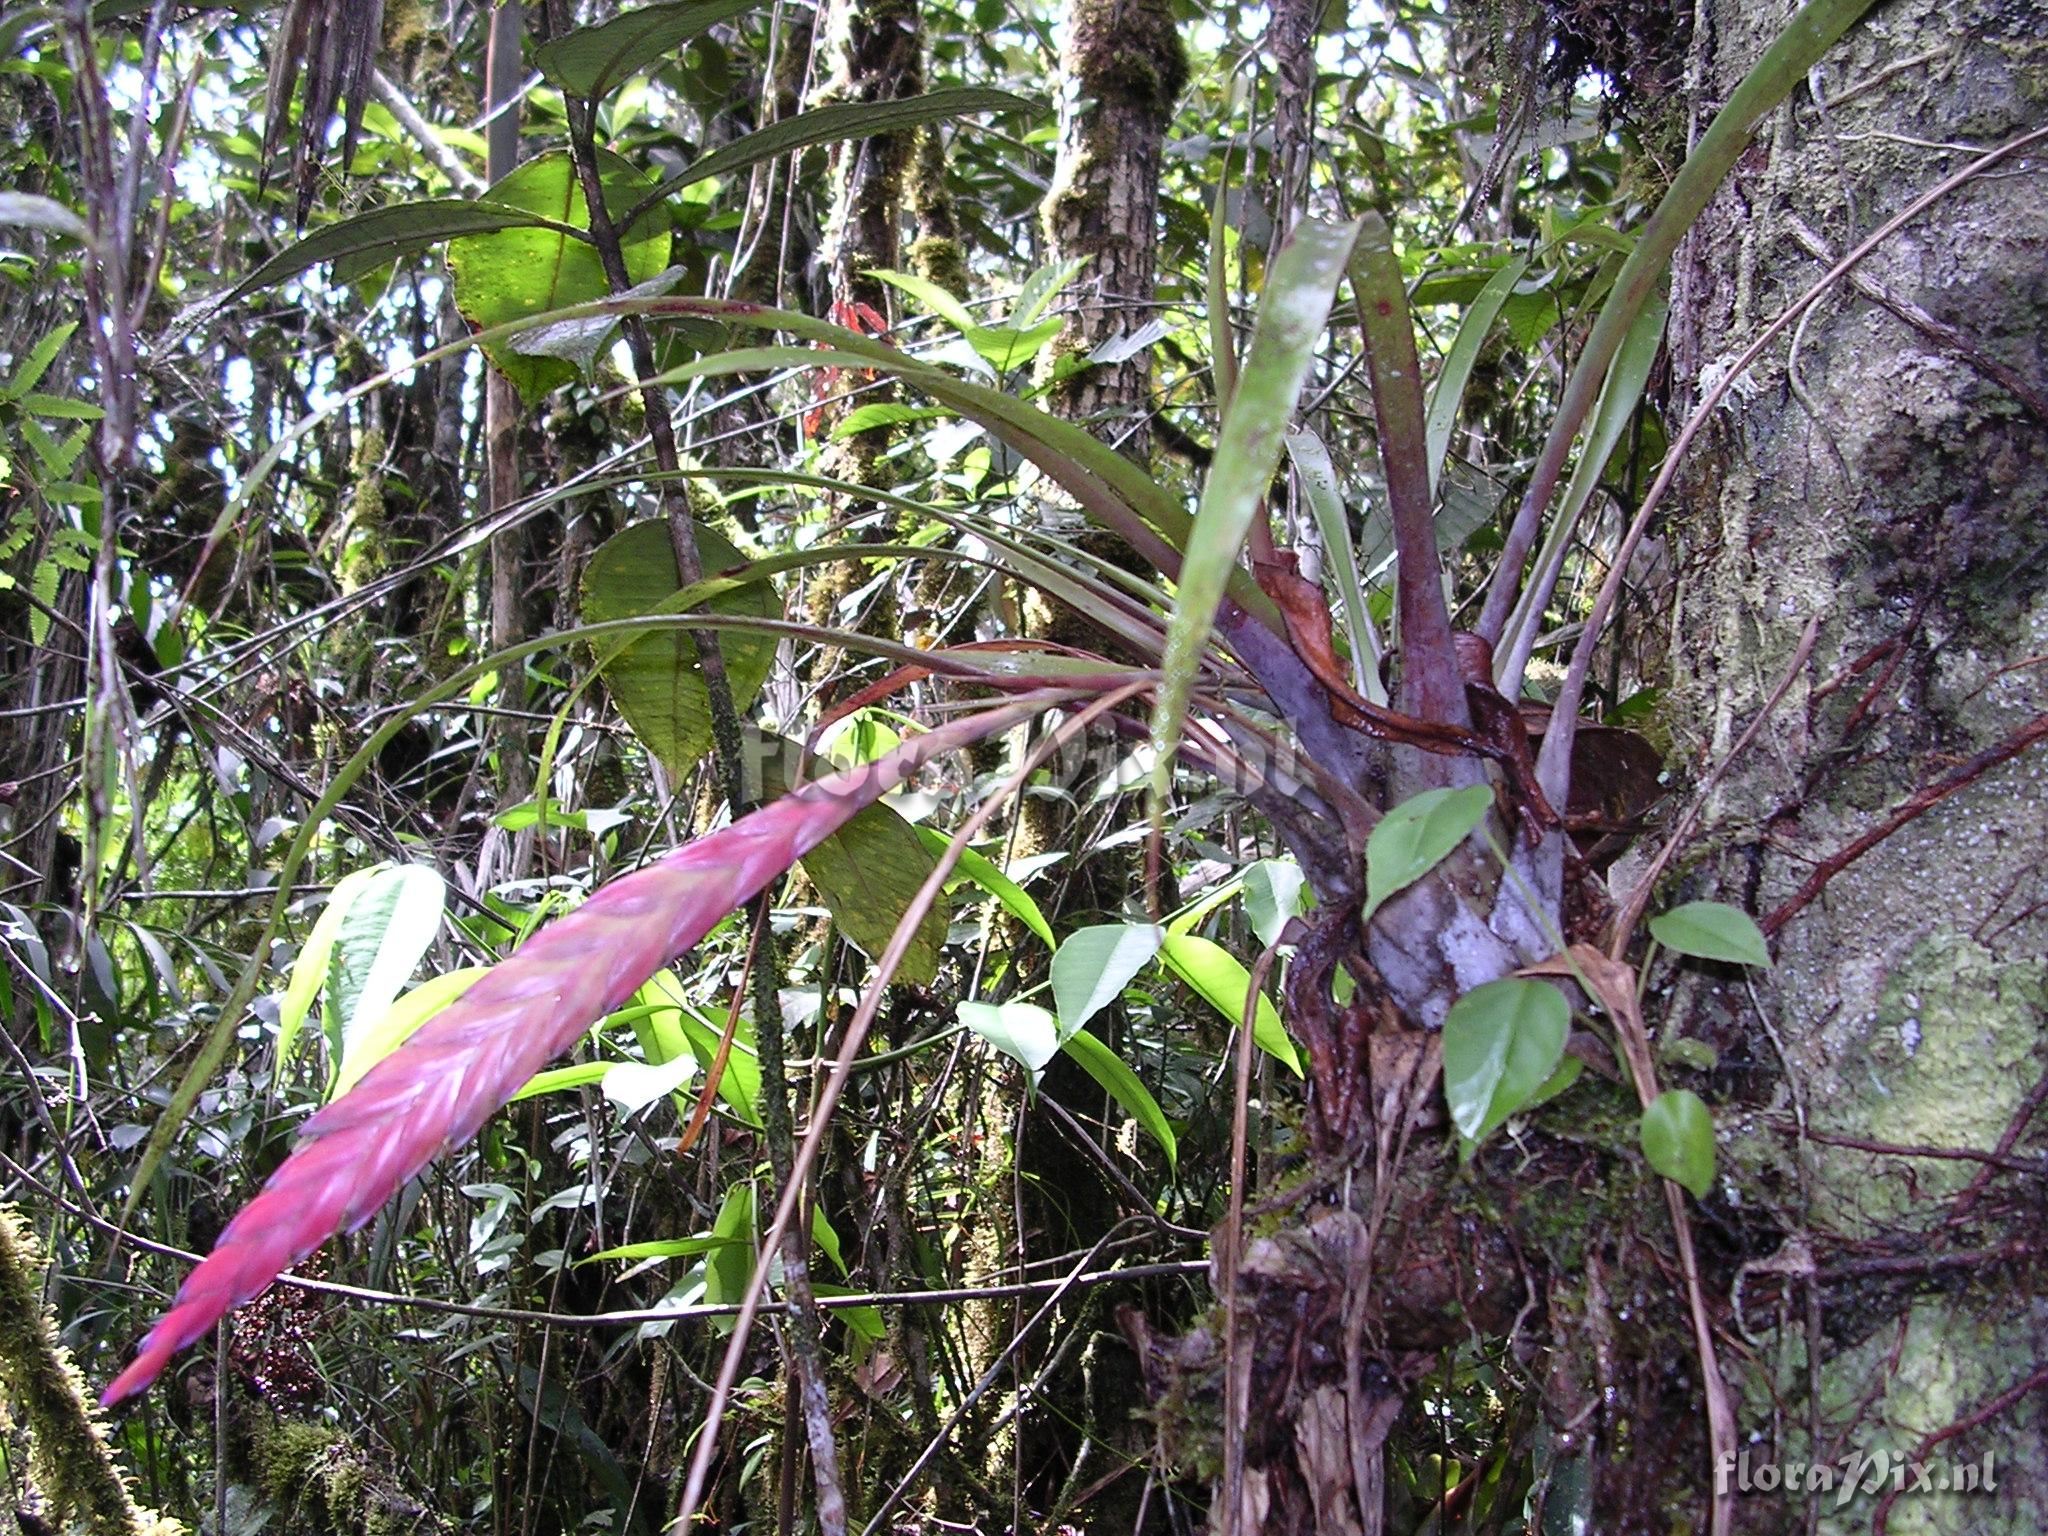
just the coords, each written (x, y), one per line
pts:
(1122, 67)
(1886, 473)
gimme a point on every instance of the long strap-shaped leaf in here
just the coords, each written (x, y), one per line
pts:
(1816, 28)
(439, 1088)
(1430, 687)
(1293, 313)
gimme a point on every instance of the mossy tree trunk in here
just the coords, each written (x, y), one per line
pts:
(1122, 67)
(1886, 474)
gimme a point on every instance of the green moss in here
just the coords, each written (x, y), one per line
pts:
(320, 1482)
(1945, 1060)
(940, 260)
(69, 1459)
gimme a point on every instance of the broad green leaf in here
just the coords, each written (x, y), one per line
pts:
(388, 233)
(863, 1321)
(1417, 835)
(1272, 895)
(1678, 1139)
(1002, 347)
(844, 120)
(655, 680)
(934, 299)
(867, 874)
(1121, 1084)
(1191, 916)
(400, 1022)
(1502, 1042)
(519, 272)
(983, 872)
(671, 1018)
(729, 1266)
(826, 1239)
(309, 970)
(1216, 975)
(1022, 1030)
(739, 1086)
(633, 1085)
(1712, 930)
(1293, 313)
(592, 62)
(1449, 391)
(384, 934)
(1092, 968)
(658, 1026)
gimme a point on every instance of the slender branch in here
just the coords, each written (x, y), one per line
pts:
(443, 159)
(1917, 804)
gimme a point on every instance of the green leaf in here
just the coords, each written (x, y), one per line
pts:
(557, 1079)
(518, 272)
(386, 234)
(1042, 287)
(729, 1266)
(384, 933)
(1712, 930)
(739, 1086)
(1502, 1042)
(1092, 968)
(1417, 835)
(983, 872)
(1217, 977)
(38, 361)
(826, 1239)
(936, 300)
(1121, 1084)
(1272, 896)
(1678, 1139)
(1022, 1030)
(592, 62)
(1449, 391)
(399, 1022)
(867, 874)
(662, 1248)
(1326, 504)
(656, 680)
(1002, 347)
(309, 971)
(844, 120)
(1293, 313)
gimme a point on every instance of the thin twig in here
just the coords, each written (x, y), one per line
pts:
(842, 1069)
(1915, 805)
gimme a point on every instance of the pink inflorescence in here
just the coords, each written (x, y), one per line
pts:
(464, 1064)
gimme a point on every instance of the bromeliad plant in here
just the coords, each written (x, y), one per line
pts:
(1457, 924)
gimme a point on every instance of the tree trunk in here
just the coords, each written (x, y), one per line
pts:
(1122, 67)
(1887, 476)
